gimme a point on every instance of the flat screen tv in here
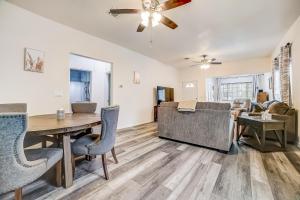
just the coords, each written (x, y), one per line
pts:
(164, 94)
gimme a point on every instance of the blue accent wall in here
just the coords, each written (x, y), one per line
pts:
(80, 76)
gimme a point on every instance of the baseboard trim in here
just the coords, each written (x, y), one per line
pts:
(134, 126)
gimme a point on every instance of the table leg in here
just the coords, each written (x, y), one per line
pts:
(278, 138)
(237, 134)
(263, 139)
(284, 137)
(241, 131)
(68, 180)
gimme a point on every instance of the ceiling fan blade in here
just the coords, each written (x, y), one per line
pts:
(124, 11)
(140, 28)
(216, 63)
(173, 4)
(169, 23)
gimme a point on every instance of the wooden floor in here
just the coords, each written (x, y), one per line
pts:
(154, 168)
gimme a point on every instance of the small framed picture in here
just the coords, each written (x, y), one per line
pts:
(136, 78)
(34, 60)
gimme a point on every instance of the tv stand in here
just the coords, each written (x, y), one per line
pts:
(155, 113)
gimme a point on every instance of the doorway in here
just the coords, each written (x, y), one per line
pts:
(90, 81)
(190, 90)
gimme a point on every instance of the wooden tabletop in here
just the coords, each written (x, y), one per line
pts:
(48, 124)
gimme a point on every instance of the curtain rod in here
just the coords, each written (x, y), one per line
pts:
(289, 44)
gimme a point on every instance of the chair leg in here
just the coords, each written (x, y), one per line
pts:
(114, 154)
(73, 164)
(88, 158)
(18, 194)
(104, 163)
(44, 143)
(58, 168)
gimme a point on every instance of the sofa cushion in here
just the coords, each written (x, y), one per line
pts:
(257, 108)
(267, 104)
(279, 108)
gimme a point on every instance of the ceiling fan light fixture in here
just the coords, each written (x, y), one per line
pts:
(205, 66)
(156, 16)
(145, 23)
(145, 15)
(154, 23)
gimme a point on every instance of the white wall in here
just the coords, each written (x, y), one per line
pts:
(293, 36)
(240, 67)
(47, 92)
(99, 72)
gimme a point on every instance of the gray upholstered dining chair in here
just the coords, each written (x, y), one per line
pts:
(94, 144)
(22, 108)
(83, 107)
(13, 107)
(19, 167)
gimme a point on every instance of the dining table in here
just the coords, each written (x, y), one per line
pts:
(62, 130)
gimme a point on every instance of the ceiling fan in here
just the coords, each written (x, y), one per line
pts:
(205, 63)
(151, 13)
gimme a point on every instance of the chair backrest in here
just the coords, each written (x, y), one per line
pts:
(109, 121)
(12, 132)
(84, 107)
(13, 108)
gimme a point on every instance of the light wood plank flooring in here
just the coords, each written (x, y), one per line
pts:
(154, 168)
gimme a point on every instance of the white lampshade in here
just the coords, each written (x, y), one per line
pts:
(145, 23)
(156, 16)
(205, 66)
(145, 15)
(154, 23)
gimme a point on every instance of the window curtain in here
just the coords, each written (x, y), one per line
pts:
(285, 74)
(255, 86)
(276, 80)
(258, 81)
(217, 89)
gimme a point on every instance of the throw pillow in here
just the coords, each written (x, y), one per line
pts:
(279, 108)
(267, 104)
(257, 108)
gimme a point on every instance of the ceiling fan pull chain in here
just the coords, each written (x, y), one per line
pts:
(151, 38)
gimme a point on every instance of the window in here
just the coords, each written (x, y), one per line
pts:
(231, 91)
(277, 90)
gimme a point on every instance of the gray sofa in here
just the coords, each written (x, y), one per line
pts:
(210, 126)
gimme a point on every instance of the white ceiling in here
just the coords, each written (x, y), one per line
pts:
(225, 29)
